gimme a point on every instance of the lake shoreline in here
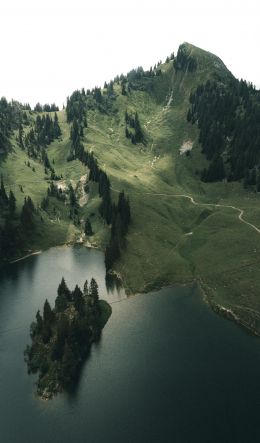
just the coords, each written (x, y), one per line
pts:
(205, 294)
(86, 244)
(225, 312)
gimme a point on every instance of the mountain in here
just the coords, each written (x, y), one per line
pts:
(182, 141)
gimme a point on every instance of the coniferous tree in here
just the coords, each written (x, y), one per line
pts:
(45, 203)
(39, 322)
(258, 183)
(64, 290)
(48, 314)
(27, 213)
(3, 194)
(93, 290)
(21, 137)
(12, 203)
(112, 253)
(78, 299)
(85, 288)
(63, 297)
(88, 227)
(72, 196)
(124, 211)
(124, 91)
(56, 127)
(61, 302)
(139, 137)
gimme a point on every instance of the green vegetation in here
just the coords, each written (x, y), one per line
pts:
(228, 117)
(62, 337)
(170, 239)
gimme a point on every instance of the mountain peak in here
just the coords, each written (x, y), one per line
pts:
(204, 60)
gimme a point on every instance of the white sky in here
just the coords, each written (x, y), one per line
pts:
(49, 48)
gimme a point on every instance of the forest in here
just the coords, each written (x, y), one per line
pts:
(228, 118)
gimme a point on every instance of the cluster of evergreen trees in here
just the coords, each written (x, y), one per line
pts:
(76, 108)
(228, 117)
(80, 101)
(45, 108)
(14, 226)
(140, 80)
(12, 115)
(62, 336)
(184, 60)
(135, 132)
(35, 141)
(44, 131)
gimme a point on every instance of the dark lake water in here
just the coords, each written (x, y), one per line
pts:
(166, 369)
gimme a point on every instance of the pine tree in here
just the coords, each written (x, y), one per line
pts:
(27, 213)
(139, 137)
(85, 288)
(39, 322)
(48, 314)
(72, 196)
(112, 252)
(124, 91)
(258, 183)
(61, 302)
(78, 299)
(93, 290)
(88, 227)
(20, 137)
(12, 203)
(64, 290)
(3, 194)
(56, 127)
(189, 115)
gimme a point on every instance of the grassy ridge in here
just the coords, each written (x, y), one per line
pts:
(221, 252)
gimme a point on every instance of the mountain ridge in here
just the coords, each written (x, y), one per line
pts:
(171, 240)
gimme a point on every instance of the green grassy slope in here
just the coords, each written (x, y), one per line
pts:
(170, 239)
(222, 252)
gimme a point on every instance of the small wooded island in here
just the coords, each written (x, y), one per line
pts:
(62, 337)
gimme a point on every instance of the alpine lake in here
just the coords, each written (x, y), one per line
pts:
(166, 368)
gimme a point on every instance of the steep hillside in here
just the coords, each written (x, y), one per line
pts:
(182, 229)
